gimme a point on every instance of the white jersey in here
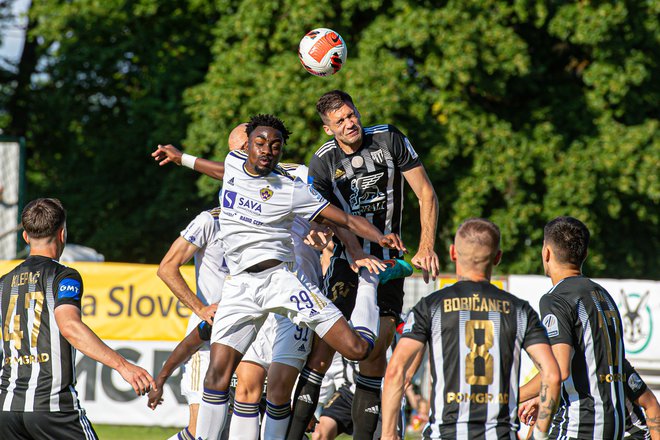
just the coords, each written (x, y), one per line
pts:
(210, 267)
(258, 213)
(307, 258)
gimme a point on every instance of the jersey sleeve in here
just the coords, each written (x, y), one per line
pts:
(319, 175)
(204, 331)
(199, 232)
(536, 333)
(634, 386)
(558, 319)
(403, 152)
(68, 288)
(418, 324)
(307, 202)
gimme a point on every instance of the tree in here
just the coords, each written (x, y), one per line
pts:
(107, 90)
(522, 110)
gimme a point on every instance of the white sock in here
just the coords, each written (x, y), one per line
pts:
(244, 421)
(366, 313)
(184, 434)
(212, 414)
(276, 421)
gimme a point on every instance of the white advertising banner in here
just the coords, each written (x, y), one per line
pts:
(108, 399)
(639, 306)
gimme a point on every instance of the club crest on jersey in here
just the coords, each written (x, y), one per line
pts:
(551, 325)
(266, 193)
(378, 156)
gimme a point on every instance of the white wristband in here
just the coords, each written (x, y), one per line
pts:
(188, 161)
(538, 435)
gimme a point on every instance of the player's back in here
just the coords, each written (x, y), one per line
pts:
(38, 372)
(476, 333)
(581, 313)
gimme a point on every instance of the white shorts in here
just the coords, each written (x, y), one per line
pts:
(194, 371)
(280, 340)
(247, 298)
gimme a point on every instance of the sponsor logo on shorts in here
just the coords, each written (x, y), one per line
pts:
(312, 313)
(551, 325)
(231, 181)
(302, 348)
(372, 410)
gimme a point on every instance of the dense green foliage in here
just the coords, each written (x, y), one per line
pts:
(521, 111)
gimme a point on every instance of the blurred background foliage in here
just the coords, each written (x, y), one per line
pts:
(521, 110)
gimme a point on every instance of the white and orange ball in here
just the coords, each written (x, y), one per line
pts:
(322, 52)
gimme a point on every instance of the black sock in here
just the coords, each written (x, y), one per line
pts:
(366, 407)
(304, 403)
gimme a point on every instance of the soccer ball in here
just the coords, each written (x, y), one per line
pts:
(322, 52)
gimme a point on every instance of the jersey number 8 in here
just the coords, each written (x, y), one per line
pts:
(479, 355)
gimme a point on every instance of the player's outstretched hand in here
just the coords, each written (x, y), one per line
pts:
(528, 410)
(165, 154)
(319, 236)
(392, 241)
(427, 261)
(140, 380)
(371, 263)
(207, 313)
(156, 394)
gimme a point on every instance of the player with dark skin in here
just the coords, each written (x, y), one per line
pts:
(264, 153)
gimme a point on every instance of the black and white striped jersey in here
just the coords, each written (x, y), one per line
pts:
(38, 369)
(634, 386)
(581, 313)
(368, 182)
(475, 332)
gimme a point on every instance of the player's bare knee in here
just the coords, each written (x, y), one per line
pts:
(357, 349)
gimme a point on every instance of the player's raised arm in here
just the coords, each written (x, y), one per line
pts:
(361, 227)
(165, 154)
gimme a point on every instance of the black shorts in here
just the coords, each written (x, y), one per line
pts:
(44, 425)
(339, 410)
(340, 286)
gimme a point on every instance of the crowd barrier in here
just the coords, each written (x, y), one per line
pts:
(134, 312)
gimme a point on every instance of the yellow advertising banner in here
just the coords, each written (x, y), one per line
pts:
(128, 301)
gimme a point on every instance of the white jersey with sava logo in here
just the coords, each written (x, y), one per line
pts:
(258, 213)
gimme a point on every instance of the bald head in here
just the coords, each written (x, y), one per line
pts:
(477, 244)
(238, 138)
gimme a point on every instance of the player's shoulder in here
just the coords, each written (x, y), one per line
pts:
(381, 130)
(238, 154)
(327, 149)
(571, 289)
(214, 212)
(281, 171)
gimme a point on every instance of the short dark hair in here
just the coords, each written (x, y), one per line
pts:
(480, 231)
(42, 218)
(332, 100)
(569, 238)
(267, 121)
